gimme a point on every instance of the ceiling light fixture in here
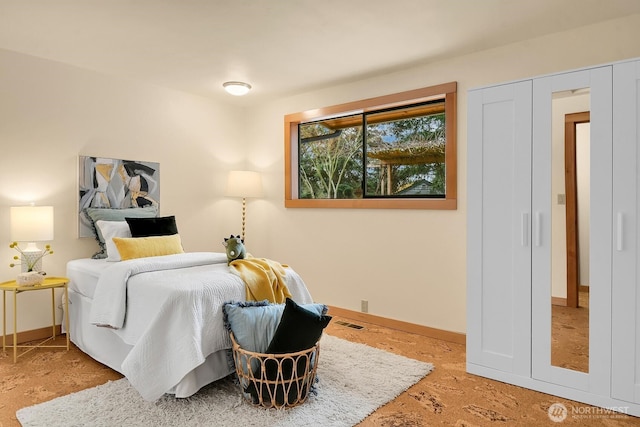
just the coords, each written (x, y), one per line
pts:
(237, 88)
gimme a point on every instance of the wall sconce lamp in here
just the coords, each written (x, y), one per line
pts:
(244, 184)
(31, 224)
(237, 88)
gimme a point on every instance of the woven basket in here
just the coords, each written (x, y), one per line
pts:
(276, 380)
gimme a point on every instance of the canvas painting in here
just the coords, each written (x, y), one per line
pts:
(116, 184)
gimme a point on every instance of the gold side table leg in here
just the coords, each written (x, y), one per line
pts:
(66, 313)
(15, 326)
(53, 314)
(4, 320)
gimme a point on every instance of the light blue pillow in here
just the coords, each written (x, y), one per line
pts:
(109, 214)
(254, 323)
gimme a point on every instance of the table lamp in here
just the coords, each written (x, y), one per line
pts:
(244, 184)
(31, 224)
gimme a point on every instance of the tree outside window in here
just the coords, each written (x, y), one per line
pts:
(400, 154)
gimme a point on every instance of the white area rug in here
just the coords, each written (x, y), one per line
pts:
(354, 380)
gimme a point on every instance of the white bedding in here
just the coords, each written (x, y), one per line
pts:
(169, 309)
(83, 274)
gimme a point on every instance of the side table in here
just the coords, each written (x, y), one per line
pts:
(49, 283)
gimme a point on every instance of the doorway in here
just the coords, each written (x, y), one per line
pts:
(571, 141)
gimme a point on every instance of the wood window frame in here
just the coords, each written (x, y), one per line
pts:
(449, 202)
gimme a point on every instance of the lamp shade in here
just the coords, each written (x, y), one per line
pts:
(31, 223)
(244, 184)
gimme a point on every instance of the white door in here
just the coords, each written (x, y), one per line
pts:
(547, 219)
(625, 336)
(499, 240)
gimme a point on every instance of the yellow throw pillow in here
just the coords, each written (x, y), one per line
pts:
(140, 247)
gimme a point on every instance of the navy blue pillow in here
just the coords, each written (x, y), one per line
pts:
(148, 227)
(299, 329)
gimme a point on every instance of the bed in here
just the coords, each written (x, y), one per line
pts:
(140, 305)
(158, 320)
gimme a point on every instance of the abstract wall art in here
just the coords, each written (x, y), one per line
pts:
(116, 184)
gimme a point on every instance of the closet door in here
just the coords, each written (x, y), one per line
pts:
(559, 363)
(625, 381)
(499, 249)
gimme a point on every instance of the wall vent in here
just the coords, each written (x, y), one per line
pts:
(349, 325)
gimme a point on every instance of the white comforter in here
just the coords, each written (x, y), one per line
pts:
(169, 309)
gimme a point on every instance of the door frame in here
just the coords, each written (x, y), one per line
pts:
(571, 191)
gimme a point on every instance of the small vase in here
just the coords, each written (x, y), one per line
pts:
(31, 278)
(31, 261)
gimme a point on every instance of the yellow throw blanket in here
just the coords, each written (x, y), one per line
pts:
(264, 279)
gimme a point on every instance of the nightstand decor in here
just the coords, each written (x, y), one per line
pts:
(30, 278)
(31, 224)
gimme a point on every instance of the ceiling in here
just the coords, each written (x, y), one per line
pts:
(280, 47)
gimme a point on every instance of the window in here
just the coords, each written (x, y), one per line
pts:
(394, 151)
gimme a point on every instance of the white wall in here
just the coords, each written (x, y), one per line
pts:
(50, 113)
(409, 265)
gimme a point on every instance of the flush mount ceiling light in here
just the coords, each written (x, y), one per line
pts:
(237, 88)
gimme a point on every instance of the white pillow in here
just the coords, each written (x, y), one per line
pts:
(109, 230)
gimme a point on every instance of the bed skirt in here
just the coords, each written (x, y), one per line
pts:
(107, 348)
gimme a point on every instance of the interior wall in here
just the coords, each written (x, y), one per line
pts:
(51, 113)
(408, 264)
